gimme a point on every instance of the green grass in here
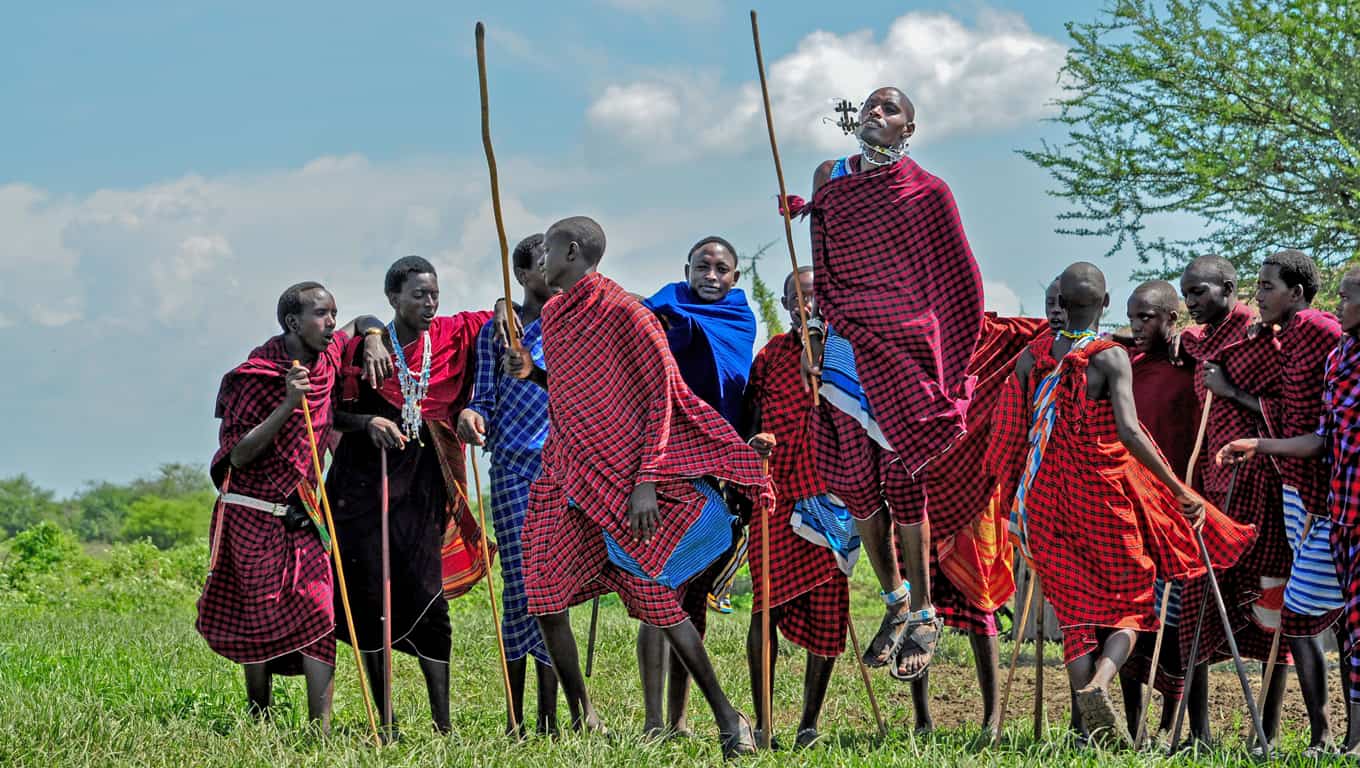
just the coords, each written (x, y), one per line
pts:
(117, 682)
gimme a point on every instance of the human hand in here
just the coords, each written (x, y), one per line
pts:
(763, 444)
(1216, 381)
(1192, 507)
(1238, 451)
(296, 385)
(811, 370)
(643, 513)
(385, 433)
(471, 427)
(377, 360)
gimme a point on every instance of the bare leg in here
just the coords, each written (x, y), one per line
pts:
(920, 704)
(689, 647)
(517, 669)
(373, 666)
(987, 659)
(557, 635)
(547, 698)
(437, 687)
(653, 657)
(874, 533)
(1199, 706)
(1092, 679)
(1352, 745)
(1270, 715)
(1311, 667)
(754, 665)
(677, 693)
(815, 683)
(1131, 686)
(259, 689)
(915, 543)
(320, 678)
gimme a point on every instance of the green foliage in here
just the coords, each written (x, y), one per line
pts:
(100, 509)
(37, 551)
(1242, 113)
(168, 522)
(24, 504)
(768, 305)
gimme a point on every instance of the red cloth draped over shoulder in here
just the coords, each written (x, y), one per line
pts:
(896, 277)
(1102, 526)
(246, 397)
(1305, 343)
(454, 340)
(776, 389)
(1167, 407)
(621, 415)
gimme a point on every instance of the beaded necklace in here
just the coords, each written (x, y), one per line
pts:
(412, 390)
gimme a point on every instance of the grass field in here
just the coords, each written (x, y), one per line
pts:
(100, 675)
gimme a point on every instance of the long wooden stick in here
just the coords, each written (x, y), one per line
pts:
(766, 684)
(864, 675)
(510, 319)
(386, 596)
(339, 570)
(783, 197)
(590, 641)
(491, 593)
(1039, 631)
(1141, 731)
(1015, 657)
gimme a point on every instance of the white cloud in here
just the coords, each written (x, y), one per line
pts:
(999, 298)
(964, 79)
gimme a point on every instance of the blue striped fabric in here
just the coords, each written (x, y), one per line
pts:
(509, 500)
(825, 521)
(704, 542)
(840, 385)
(1173, 611)
(1313, 588)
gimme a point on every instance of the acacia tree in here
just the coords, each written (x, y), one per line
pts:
(1242, 113)
(767, 301)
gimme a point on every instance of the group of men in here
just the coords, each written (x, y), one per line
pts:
(635, 444)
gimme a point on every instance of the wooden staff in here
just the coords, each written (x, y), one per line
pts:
(783, 199)
(864, 675)
(1141, 731)
(491, 593)
(1015, 656)
(339, 569)
(766, 684)
(1039, 631)
(590, 641)
(511, 321)
(386, 596)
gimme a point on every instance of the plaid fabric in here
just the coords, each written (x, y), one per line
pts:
(1101, 526)
(895, 276)
(1305, 344)
(509, 499)
(775, 391)
(1345, 541)
(815, 620)
(515, 411)
(956, 608)
(1167, 406)
(859, 472)
(1340, 429)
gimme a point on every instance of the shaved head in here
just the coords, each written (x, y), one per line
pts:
(908, 108)
(1213, 268)
(1082, 287)
(1158, 294)
(585, 232)
(788, 281)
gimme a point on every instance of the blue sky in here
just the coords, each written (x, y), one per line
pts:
(166, 169)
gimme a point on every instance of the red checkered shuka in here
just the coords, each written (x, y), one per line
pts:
(896, 277)
(269, 596)
(1102, 527)
(1340, 429)
(453, 341)
(620, 415)
(775, 389)
(1306, 341)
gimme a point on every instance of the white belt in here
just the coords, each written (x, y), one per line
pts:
(277, 510)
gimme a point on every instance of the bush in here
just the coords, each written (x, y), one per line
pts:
(39, 550)
(169, 522)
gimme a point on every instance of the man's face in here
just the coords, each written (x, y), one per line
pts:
(555, 263)
(1274, 299)
(418, 301)
(531, 278)
(1349, 311)
(315, 323)
(883, 119)
(1206, 297)
(1057, 316)
(1150, 325)
(712, 272)
(790, 300)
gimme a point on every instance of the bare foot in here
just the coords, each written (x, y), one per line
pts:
(888, 639)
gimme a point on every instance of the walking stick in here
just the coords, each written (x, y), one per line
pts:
(491, 593)
(1166, 583)
(386, 598)
(512, 331)
(783, 199)
(766, 684)
(864, 675)
(339, 569)
(1039, 631)
(1015, 656)
(1279, 630)
(590, 642)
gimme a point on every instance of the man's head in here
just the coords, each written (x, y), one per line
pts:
(1081, 291)
(412, 288)
(887, 118)
(1057, 318)
(790, 300)
(525, 261)
(1287, 283)
(307, 311)
(573, 248)
(1209, 287)
(711, 269)
(1349, 311)
(1153, 310)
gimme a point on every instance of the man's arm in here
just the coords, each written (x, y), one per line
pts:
(1216, 380)
(377, 359)
(383, 432)
(472, 422)
(257, 440)
(1298, 447)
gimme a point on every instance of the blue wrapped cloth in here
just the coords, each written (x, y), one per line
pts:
(713, 343)
(705, 541)
(825, 521)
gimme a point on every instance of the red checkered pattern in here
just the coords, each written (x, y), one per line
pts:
(895, 276)
(859, 472)
(815, 620)
(1340, 428)
(1345, 542)
(620, 415)
(1102, 527)
(775, 391)
(268, 597)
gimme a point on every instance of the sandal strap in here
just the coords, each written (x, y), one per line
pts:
(897, 596)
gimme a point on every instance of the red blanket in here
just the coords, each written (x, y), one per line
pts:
(454, 339)
(1305, 342)
(1167, 407)
(895, 276)
(776, 389)
(620, 415)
